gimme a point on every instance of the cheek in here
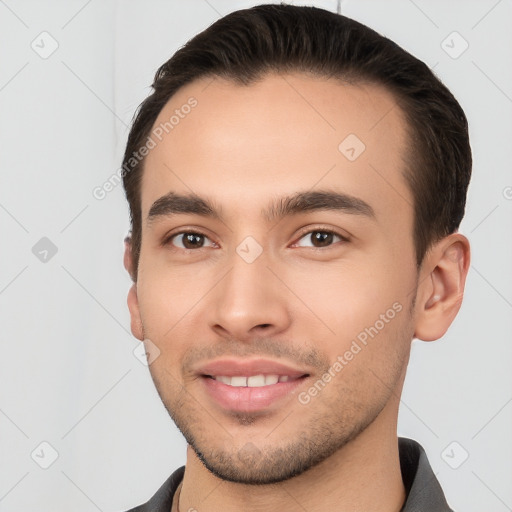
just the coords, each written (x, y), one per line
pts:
(346, 299)
(167, 297)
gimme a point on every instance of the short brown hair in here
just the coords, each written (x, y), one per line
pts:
(246, 44)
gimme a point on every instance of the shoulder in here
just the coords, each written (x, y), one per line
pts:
(162, 499)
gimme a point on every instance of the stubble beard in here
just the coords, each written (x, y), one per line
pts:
(335, 421)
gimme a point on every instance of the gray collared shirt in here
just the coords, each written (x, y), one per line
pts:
(424, 494)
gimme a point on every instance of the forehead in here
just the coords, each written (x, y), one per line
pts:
(242, 143)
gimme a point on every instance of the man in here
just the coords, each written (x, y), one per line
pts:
(295, 182)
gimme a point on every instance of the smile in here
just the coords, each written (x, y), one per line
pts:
(252, 381)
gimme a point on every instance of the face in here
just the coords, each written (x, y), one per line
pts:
(277, 269)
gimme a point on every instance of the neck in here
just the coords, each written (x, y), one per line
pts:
(363, 475)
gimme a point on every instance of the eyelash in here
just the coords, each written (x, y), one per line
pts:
(169, 238)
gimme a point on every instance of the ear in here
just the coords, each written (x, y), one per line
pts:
(441, 287)
(132, 300)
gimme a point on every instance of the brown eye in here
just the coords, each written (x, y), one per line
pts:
(190, 240)
(319, 238)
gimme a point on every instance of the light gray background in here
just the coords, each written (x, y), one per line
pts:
(68, 375)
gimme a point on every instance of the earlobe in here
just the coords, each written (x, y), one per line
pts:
(135, 319)
(440, 293)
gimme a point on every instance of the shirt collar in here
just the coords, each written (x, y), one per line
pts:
(421, 485)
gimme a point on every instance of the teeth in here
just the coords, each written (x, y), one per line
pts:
(238, 382)
(256, 381)
(253, 381)
(271, 379)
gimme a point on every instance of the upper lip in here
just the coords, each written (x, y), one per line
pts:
(236, 367)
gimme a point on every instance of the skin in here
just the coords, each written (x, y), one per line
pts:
(303, 305)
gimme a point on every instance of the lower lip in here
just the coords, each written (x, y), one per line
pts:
(246, 399)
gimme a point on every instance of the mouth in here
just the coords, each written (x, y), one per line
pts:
(253, 381)
(251, 393)
(250, 385)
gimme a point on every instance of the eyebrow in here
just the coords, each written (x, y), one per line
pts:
(308, 201)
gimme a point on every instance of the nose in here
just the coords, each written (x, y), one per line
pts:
(249, 301)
